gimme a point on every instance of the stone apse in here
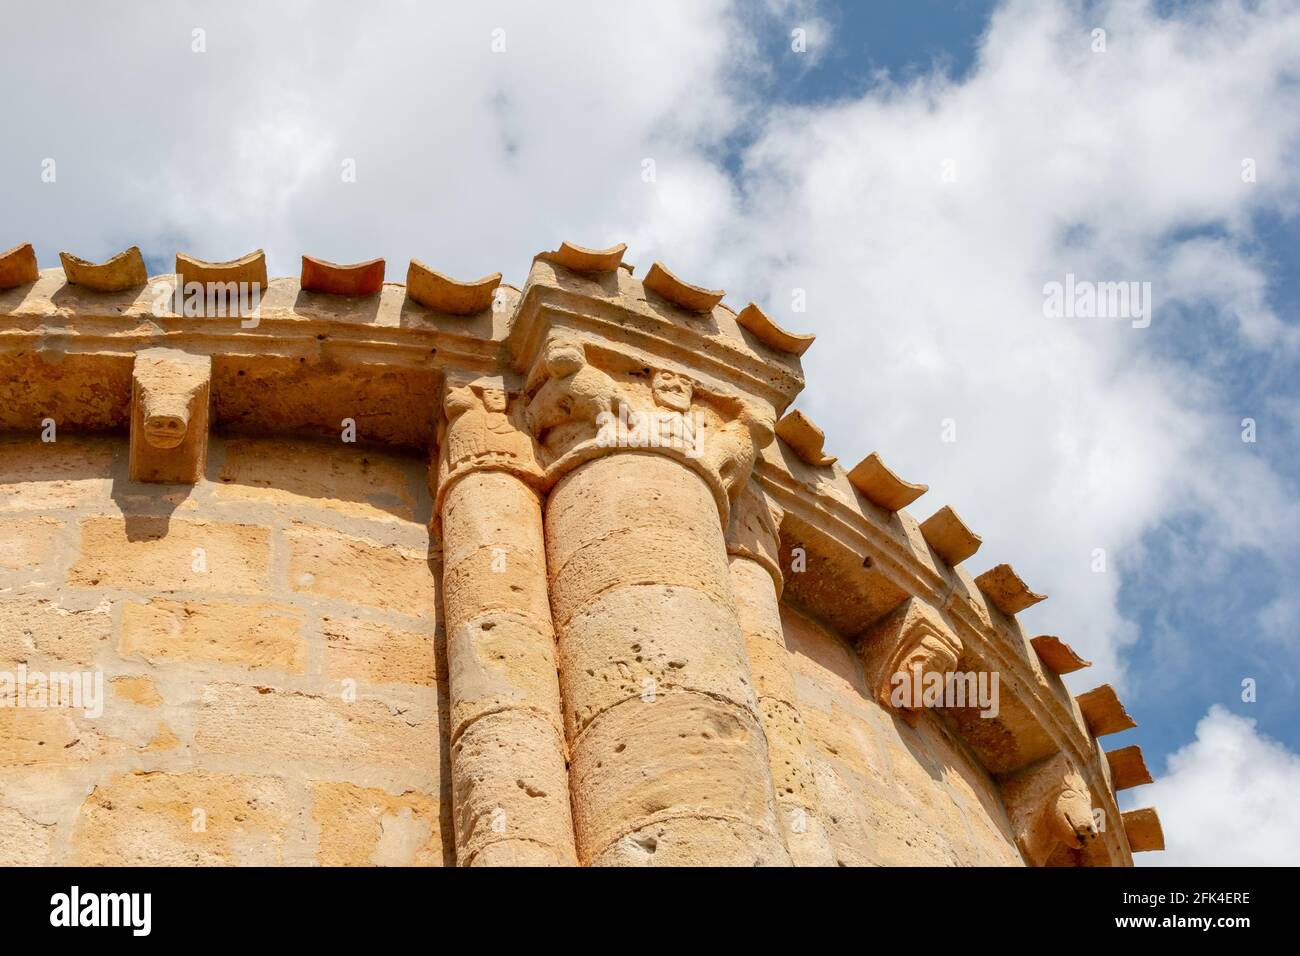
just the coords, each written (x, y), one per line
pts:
(454, 573)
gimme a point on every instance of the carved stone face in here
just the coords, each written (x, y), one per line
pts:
(672, 390)
(926, 652)
(165, 431)
(563, 357)
(494, 399)
(1073, 817)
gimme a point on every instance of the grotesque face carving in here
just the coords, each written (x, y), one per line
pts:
(672, 390)
(1073, 820)
(165, 431)
(563, 356)
(921, 652)
(1050, 806)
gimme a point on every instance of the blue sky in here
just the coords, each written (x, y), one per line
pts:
(919, 171)
(1198, 634)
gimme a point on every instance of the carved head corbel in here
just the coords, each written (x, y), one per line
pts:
(904, 652)
(166, 417)
(170, 392)
(1049, 805)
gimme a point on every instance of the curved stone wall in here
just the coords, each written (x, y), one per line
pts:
(268, 642)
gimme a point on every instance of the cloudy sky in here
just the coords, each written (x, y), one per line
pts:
(915, 172)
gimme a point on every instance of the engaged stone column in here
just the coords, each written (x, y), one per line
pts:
(510, 789)
(669, 761)
(752, 543)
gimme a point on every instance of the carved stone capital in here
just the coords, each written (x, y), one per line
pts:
(483, 430)
(903, 650)
(170, 393)
(1049, 806)
(578, 411)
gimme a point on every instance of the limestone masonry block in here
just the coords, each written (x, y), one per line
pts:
(172, 555)
(260, 634)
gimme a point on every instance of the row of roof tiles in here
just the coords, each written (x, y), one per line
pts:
(430, 288)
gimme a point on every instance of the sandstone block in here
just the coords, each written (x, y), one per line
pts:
(368, 826)
(257, 635)
(171, 555)
(186, 819)
(330, 564)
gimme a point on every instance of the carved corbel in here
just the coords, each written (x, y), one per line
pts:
(907, 656)
(1049, 806)
(572, 397)
(170, 392)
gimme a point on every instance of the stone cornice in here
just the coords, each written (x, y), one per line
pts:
(387, 329)
(614, 307)
(893, 546)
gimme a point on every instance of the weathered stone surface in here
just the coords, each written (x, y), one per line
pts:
(330, 564)
(368, 826)
(40, 629)
(187, 819)
(318, 475)
(172, 555)
(378, 653)
(433, 602)
(255, 635)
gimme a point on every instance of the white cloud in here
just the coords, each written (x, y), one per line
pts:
(1073, 434)
(1227, 798)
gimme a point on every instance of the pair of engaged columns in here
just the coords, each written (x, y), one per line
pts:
(619, 684)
